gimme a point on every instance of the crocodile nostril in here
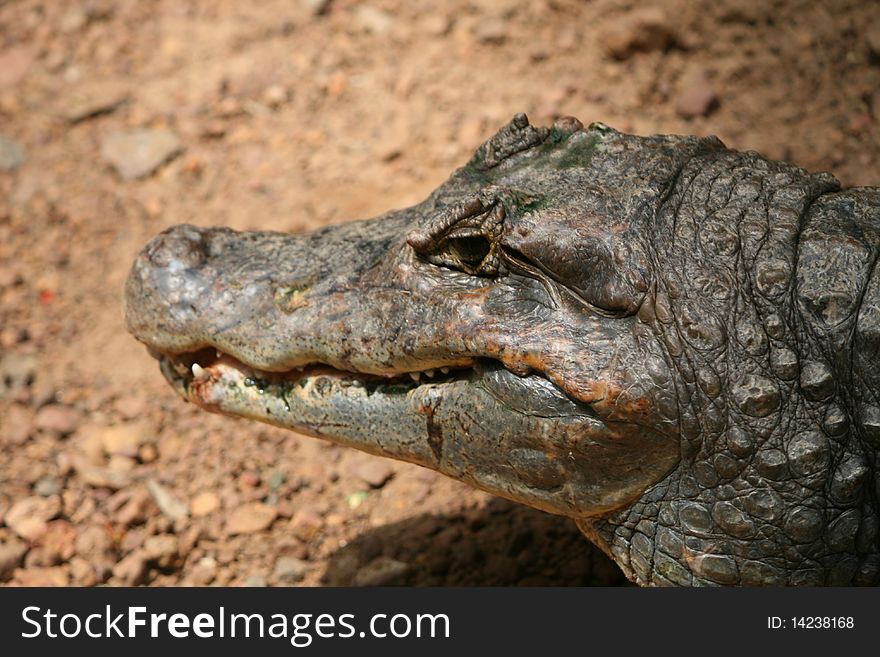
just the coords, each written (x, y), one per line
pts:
(181, 247)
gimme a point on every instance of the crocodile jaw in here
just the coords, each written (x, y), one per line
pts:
(462, 424)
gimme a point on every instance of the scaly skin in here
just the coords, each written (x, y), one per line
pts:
(671, 342)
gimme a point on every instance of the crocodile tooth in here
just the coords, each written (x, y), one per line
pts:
(414, 376)
(445, 370)
(430, 373)
(198, 371)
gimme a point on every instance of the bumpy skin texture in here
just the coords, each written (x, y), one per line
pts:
(669, 341)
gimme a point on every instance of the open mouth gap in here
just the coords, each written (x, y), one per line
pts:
(197, 365)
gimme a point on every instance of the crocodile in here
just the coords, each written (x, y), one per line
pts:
(671, 342)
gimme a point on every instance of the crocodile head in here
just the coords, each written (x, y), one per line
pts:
(515, 331)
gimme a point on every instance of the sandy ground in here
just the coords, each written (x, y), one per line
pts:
(121, 118)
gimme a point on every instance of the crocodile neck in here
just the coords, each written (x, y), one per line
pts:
(778, 423)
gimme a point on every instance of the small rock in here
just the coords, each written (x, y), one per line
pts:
(167, 503)
(15, 426)
(125, 439)
(73, 20)
(12, 154)
(15, 64)
(274, 96)
(383, 571)
(55, 576)
(316, 7)
(137, 510)
(437, 24)
(204, 504)
(375, 472)
(93, 540)
(250, 518)
(289, 570)
(132, 569)
(58, 419)
(642, 30)
(305, 525)
(249, 479)
(872, 40)
(119, 463)
(697, 98)
(138, 153)
(256, 581)
(373, 20)
(11, 555)
(131, 407)
(76, 107)
(17, 372)
(29, 517)
(47, 487)
(491, 30)
(58, 543)
(148, 453)
(163, 550)
(97, 476)
(204, 571)
(82, 573)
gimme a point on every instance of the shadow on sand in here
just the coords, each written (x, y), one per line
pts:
(501, 544)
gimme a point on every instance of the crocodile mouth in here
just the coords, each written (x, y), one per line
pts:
(221, 382)
(191, 370)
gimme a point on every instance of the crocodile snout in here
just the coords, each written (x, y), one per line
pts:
(180, 247)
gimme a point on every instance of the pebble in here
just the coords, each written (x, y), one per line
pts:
(15, 428)
(696, 98)
(97, 476)
(437, 24)
(375, 472)
(58, 543)
(137, 509)
(305, 525)
(54, 576)
(14, 65)
(204, 572)
(59, 419)
(131, 406)
(76, 107)
(289, 570)
(163, 550)
(29, 517)
(138, 153)
(256, 581)
(17, 372)
(316, 7)
(872, 40)
(373, 20)
(383, 571)
(47, 487)
(167, 503)
(250, 518)
(132, 569)
(12, 154)
(125, 439)
(93, 540)
(82, 573)
(491, 31)
(204, 504)
(642, 30)
(12, 554)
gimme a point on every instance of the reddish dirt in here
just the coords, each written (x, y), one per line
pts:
(292, 115)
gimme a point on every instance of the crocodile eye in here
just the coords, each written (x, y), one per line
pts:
(470, 251)
(473, 254)
(465, 236)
